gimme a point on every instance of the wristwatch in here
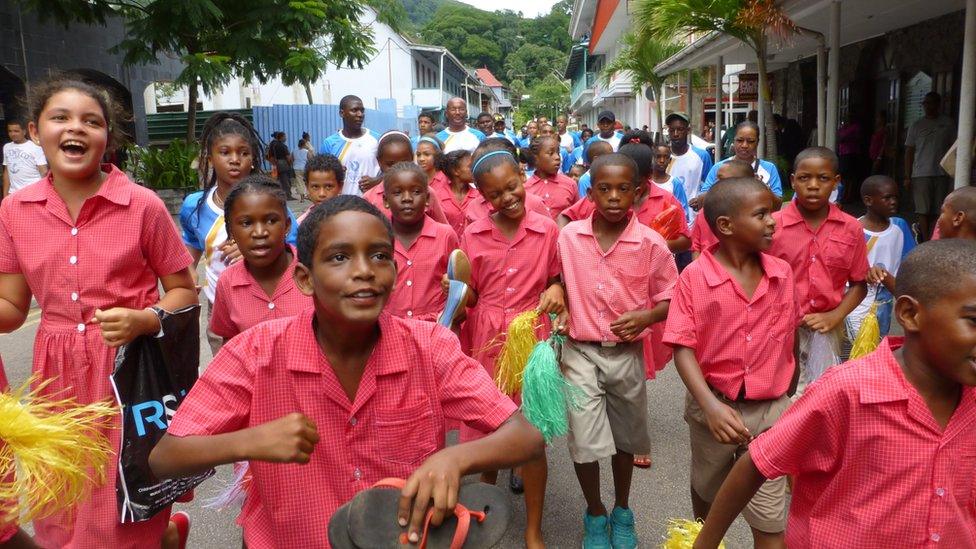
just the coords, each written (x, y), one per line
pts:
(160, 314)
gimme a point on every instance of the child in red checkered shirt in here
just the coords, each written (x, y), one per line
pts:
(377, 389)
(829, 256)
(93, 248)
(262, 286)
(422, 246)
(732, 323)
(514, 268)
(882, 449)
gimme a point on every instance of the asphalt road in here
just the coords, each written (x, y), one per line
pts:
(657, 495)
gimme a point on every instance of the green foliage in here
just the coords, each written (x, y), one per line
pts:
(166, 168)
(520, 48)
(548, 98)
(215, 39)
(533, 63)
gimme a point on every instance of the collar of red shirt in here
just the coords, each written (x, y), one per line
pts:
(532, 222)
(115, 188)
(304, 336)
(880, 389)
(791, 214)
(630, 234)
(716, 274)
(247, 280)
(429, 230)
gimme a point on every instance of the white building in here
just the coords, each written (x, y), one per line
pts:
(598, 26)
(416, 75)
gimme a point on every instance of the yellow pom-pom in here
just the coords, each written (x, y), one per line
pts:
(519, 342)
(868, 335)
(682, 534)
(51, 452)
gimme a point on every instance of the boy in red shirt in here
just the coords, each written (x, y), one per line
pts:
(829, 256)
(377, 389)
(734, 350)
(618, 274)
(882, 449)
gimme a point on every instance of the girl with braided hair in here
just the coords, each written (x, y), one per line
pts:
(230, 150)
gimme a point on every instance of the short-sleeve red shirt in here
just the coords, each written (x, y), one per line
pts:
(418, 293)
(241, 302)
(738, 340)
(870, 465)
(415, 379)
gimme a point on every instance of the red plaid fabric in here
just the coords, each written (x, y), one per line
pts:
(557, 193)
(375, 197)
(479, 208)
(241, 302)
(702, 237)
(453, 210)
(415, 379)
(418, 293)
(656, 202)
(111, 256)
(870, 465)
(823, 261)
(636, 272)
(738, 341)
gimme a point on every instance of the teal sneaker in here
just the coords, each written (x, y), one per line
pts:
(622, 534)
(596, 532)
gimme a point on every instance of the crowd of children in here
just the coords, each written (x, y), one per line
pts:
(331, 373)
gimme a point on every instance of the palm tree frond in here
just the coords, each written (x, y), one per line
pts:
(766, 15)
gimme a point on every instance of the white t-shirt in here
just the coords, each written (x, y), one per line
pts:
(566, 142)
(21, 161)
(931, 138)
(467, 139)
(884, 250)
(667, 185)
(358, 156)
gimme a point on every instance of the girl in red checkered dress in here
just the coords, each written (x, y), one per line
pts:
(92, 248)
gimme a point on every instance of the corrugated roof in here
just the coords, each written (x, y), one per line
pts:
(489, 79)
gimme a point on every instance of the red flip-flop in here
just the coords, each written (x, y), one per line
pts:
(182, 522)
(642, 463)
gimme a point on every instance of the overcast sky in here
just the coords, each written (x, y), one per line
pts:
(529, 8)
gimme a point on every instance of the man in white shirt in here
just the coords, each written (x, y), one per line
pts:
(23, 160)
(606, 122)
(687, 167)
(457, 135)
(567, 139)
(354, 146)
(927, 141)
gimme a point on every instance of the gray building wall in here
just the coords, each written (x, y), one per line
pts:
(49, 48)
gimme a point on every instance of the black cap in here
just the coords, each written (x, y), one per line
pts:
(606, 115)
(679, 115)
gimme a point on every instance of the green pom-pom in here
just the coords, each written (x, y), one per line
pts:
(546, 394)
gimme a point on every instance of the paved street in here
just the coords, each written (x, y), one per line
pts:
(658, 494)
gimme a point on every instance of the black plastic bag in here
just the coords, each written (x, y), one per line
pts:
(152, 376)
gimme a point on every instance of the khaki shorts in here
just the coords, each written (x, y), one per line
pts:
(711, 461)
(929, 193)
(613, 410)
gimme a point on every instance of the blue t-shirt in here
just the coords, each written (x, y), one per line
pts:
(204, 229)
(766, 171)
(584, 184)
(706, 159)
(614, 140)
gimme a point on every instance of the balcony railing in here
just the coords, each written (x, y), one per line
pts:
(582, 85)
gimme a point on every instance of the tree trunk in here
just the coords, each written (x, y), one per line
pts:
(655, 124)
(767, 145)
(308, 92)
(191, 112)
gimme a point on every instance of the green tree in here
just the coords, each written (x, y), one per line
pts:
(533, 63)
(481, 52)
(215, 39)
(639, 57)
(752, 22)
(547, 98)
